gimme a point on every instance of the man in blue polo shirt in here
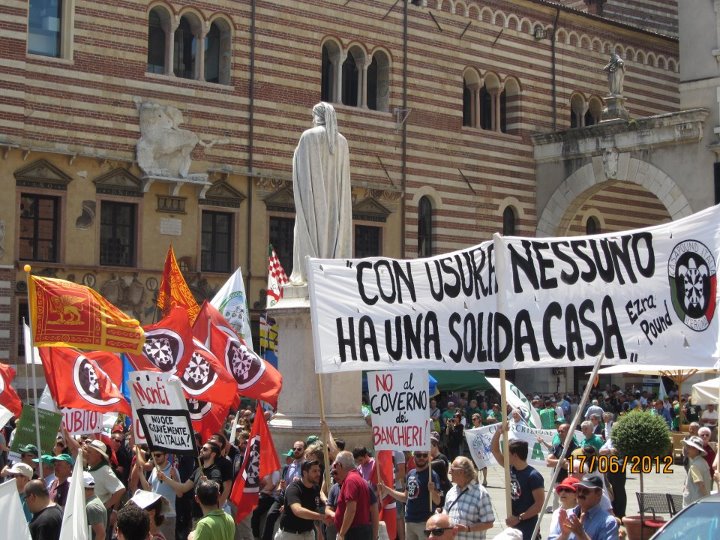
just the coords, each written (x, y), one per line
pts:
(588, 520)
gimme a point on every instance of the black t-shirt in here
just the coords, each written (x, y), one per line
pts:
(557, 450)
(226, 468)
(46, 524)
(212, 473)
(522, 485)
(308, 497)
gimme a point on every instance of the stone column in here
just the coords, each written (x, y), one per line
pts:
(495, 94)
(200, 54)
(337, 81)
(170, 26)
(474, 105)
(299, 403)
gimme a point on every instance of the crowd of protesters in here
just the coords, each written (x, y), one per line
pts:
(132, 493)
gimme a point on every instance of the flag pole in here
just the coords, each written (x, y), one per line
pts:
(566, 442)
(29, 350)
(506, 442)
(325, 429)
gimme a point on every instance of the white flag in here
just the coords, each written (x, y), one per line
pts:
(517, 400)
(35, 356)
(5, 416)
(75, 524)
(231, 302)
(12, 518)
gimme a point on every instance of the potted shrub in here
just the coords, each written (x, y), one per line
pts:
(638, 434)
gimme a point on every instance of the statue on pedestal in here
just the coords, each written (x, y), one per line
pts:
(321, 184)
(616, 73)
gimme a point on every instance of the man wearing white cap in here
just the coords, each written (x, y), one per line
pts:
(699, 481)
(94, 508)
(22, 473)
(108, 488)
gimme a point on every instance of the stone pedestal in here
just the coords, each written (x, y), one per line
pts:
(299, 403)
(614, 109)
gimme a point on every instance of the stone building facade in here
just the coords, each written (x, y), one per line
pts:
(438, 99)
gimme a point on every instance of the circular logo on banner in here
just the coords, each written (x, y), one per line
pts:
(198, 409)
(244, 365)
(693, 283)
(252, 472)
(199, 376)
(86, 382)
(233, 309)
(164, 348)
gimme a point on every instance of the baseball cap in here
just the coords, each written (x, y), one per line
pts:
(289, 453)
(311, 439)
(29, 449)
(64, 457)
(567, 483)
(589, 481)
(21, 468)
(47, 459)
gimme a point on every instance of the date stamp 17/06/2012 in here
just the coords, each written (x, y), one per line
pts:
(616, 464)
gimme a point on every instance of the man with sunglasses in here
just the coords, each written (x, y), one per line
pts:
(588, 520)
(162, 470)
(418, 491)
(438, 527)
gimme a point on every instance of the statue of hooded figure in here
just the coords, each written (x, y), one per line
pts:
(321, 182)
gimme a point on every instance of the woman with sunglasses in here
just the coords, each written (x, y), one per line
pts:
(467, 503)
(567, 496)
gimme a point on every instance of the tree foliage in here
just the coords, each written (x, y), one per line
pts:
(640, 433)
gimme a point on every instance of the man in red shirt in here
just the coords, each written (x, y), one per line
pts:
(352, 515)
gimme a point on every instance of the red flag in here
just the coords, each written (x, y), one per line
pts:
(207, 418)
(260, 460)
(87, 381)
(388, 508)
(65, 314)
(174, 290)
(206, 378)
(276, 279)
(168, 344)
(8, 396)
(255, 377)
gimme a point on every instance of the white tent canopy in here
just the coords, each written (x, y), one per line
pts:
(674, 372)
(706, 392)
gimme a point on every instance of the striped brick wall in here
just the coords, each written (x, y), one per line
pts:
(86, 105)
(7, 317)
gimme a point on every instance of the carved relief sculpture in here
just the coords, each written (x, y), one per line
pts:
(164, 149)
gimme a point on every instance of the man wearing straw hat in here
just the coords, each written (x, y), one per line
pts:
(698, 482)
(108, 487)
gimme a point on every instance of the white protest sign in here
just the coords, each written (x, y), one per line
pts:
(158, 401)
(517, 400)
(479, 443)
(646, 296)
(380, 313)
(399, 405)
(81, 422)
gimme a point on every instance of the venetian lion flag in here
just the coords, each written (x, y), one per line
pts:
(65, 314)
(8, 396)
(174, 290)
(259, 461)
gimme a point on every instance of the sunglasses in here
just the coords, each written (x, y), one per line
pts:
(565, 490)
(158, 454)
(439, 531)
(421, 455)
(585, 491)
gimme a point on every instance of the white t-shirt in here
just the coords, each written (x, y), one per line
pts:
(106, 483)
(709, 419)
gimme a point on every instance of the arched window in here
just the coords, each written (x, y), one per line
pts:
(157, 41)
(577, 111)
(350, 81)
(485, 108)
(594, 112)
(471, 97)
(378, 82)
(510, 110)
(329, 85)
(425, 228)
(212, 54)
(185, 50)
(218, 47)
(509, 221)
(592, 226)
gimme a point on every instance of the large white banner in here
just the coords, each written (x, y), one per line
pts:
(479, 442)
(400, 410)
(645, 296)
(382, 313)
